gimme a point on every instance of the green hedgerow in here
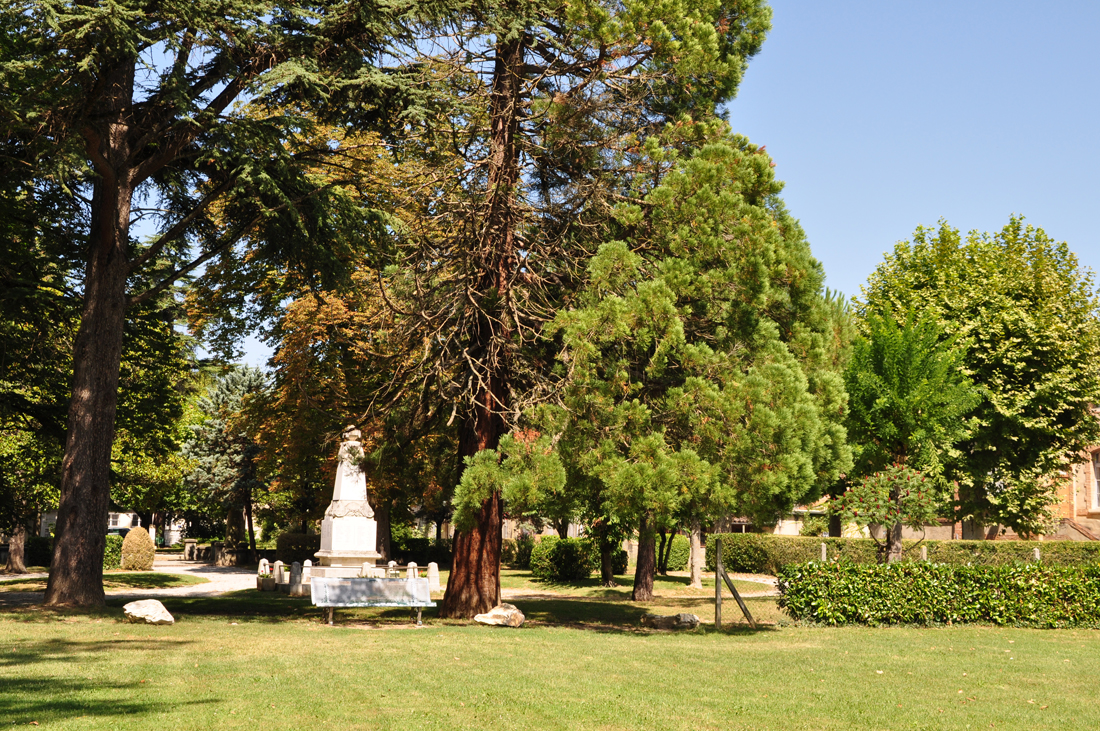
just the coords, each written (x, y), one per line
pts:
(112, 553)
(679, 554)
(138, 551)
(1020, 594)
(563, 559)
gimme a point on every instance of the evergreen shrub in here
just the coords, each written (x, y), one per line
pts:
(759, 553)
(138, 551)
(300, 547)
(619, 560)
(680, 553)
(1017, 594)
(112, 554)
(516, 552)
(37, 551)
(564, 559)
(422, 550)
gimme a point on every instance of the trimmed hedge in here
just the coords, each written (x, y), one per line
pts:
(291, 547)
(760, 553)
(138, 550)
(680, 553)
(112, 554)
(516, 552)
(564, 559)
(618, 561)
(423, 551)
(1021, 595)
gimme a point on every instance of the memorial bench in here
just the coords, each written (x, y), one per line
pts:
(331, 593)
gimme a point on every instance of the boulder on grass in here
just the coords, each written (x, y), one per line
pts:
(502, 615)
(673, 621)
(149, 611)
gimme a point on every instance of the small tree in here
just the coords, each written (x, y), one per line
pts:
(908, 400)
(896, 497)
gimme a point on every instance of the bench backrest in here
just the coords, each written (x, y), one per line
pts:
(331, 592)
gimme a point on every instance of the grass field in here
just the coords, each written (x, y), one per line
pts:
(114, 580)
(250, 660)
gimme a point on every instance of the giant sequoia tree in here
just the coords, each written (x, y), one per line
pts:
(541, 108)
(129, 106)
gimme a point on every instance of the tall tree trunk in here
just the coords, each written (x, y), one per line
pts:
(17, 547)
(698, 558)
(562, 527)
(662, 562)
(474, 584)
(893, 532)
(382, 516)
(248, 522)
(647, 562)
(607, 562)
(76, 574)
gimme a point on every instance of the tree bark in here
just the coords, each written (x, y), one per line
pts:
(607, 560)
(561, 527)
(17, 547)
(698, 558)
(474, 584)
(76, 575)
(251, 527)
(647, 562)
(662, 560)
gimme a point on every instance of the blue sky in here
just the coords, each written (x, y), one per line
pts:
(882, 115)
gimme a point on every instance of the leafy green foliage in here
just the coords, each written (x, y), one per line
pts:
(1021, 595)
(757, 553)
(138, 551)
(563, 559)
(1028, 319)
(516, 552)
(895, 495)
(112, 554)
(814, 525)
(291, 547)
(679, 553)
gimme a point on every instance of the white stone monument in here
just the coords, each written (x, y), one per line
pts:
(349, 531)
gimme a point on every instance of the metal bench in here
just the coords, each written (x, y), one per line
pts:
(330, 593)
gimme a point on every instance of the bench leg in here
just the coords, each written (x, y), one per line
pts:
(418, 622)
(329, 614)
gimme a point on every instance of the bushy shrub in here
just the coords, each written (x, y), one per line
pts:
(516, 552)
(563, 559)
(112, 554)
(679, 554)
(1019, 594)
(138, 551)
(757, 553)
(814, 526)
(619, 560)
(300, 547)
(37, 551)
(411, 547)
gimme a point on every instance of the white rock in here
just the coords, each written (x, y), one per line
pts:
(149, 611)
(502, 615)
(674, 621)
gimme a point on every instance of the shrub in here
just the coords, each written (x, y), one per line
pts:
(814, 525)
(619, 561)
(291, 547)
(757, 553)
(516, 552)
(1019, 594)
(680, 553)
(563, 559)
(112, 554)
(411, 547)
(37, 551)
(138, 551)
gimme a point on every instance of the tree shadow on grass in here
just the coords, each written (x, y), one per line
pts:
(35, 694)
(247, 605)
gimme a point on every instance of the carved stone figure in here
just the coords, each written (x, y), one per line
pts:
(348, 531)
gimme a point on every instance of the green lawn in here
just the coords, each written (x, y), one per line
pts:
(114, 580)
(249, 660)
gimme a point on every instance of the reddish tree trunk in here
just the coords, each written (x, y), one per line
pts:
(76, 575)
(647, 562)
(17, 551)
(474, 584)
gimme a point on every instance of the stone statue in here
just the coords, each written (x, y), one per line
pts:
(349, 531)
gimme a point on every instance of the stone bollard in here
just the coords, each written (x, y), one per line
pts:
(1037, 555)
(413, 573)
(307, 569)
(824, 553)
(190, 549)
(924, 553)
(297, 588)
(261, 574)
(366, 569)
(392, 572)
(433, 576)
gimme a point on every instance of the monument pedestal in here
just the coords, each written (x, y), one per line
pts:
(349, 532)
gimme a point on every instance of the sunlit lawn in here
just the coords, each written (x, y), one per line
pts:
(250, 660)
(114, 580)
